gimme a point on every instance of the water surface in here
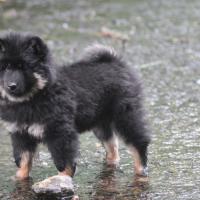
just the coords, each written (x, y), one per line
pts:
(163, 45)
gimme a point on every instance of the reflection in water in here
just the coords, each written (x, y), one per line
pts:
(23, 190)
(107, 186)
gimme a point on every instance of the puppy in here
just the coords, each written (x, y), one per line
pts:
(42, 102)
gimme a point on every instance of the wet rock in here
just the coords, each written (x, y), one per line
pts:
(55, 184)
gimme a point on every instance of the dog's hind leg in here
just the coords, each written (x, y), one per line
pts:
(23, 150)
(110, 142)
(131, 127)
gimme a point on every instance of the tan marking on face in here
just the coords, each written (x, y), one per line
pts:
(41, 82)
(67, 172)
(137, 160)
(25, 166)
(112, 154)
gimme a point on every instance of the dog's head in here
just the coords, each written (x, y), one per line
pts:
(24, 66)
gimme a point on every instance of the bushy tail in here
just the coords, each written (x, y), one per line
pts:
(99, 53)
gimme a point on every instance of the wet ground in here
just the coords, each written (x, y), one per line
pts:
(161, 39)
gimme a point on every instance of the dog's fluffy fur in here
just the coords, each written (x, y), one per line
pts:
(54, 104)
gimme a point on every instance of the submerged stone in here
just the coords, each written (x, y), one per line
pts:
(54, 185)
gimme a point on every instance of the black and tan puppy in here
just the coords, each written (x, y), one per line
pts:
(41, 102)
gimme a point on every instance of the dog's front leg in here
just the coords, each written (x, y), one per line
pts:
(23, 151)
(63, 146)
(64, 156)
(62, 142)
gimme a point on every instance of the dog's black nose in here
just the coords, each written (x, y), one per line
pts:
(12, 86)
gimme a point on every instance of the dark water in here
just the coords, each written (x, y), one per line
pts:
(161, 39)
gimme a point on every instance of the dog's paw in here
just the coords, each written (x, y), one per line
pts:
(112, 162)
(20, 176)
(142, 172)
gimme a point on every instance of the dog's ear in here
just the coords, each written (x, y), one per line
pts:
(37, 46)
(2, 46)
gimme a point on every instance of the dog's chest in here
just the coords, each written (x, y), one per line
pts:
(36, 130)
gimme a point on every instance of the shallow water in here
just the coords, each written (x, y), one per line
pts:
(163, 45)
